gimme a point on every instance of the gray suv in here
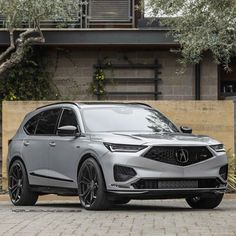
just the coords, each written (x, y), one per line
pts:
(110, 153)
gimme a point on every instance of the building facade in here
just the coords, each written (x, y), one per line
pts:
(133, 54)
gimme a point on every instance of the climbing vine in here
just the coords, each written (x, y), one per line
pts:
(98, 86)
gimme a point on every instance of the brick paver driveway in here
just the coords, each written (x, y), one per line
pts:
(169, 217)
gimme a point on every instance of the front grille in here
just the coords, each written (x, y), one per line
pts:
(181, 156)
(176, 184)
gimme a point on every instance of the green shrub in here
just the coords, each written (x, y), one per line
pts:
(29, 80)
(231, 172)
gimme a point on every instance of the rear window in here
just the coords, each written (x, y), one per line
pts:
(31, 125)
(47, 122)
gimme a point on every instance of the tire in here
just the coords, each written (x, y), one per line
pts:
(91, 186)
(120, 201)
(18, 186)
(205, 202)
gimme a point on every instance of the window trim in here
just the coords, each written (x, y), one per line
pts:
(39, 115)
(62, 108)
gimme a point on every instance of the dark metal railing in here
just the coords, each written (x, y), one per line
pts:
(93, 14)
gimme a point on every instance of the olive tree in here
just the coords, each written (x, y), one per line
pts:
(29, 12)
(200, 26)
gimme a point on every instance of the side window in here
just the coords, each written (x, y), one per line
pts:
(47, 122)
(68, 118)
(31, 125)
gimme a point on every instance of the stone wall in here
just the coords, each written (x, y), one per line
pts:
(209, 79)
(213, 118)
(73, 73)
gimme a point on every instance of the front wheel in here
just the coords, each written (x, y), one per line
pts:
(91, 186)
(205, 202)
(19, 190)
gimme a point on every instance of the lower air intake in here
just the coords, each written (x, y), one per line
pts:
(176, 184)
(123, 173)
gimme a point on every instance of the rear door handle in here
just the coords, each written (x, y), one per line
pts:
(26, 143)
(52, 144)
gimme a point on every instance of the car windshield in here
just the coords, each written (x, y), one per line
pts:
(126, 119)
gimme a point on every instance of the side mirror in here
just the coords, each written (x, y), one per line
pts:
(68, 130)
(186, 130)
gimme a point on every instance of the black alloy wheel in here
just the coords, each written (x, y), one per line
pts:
(91, 186)
(15, 182)
(18, 186)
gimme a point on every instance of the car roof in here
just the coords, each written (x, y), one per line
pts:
(96, 104)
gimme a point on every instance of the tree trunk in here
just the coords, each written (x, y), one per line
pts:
(15, 57)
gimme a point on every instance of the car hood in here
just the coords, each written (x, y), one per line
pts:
(154, 139)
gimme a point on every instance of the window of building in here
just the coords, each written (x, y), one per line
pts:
(228, 80)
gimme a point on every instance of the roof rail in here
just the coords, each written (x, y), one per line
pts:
(140, 103)
(94, 103)
(115, 103)
(57, 103)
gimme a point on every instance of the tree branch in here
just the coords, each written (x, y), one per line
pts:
(24, 39)
(15, 59)
(40, 32)
(23, 35)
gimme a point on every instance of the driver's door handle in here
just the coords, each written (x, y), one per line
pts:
(26, 143)
(52, 144)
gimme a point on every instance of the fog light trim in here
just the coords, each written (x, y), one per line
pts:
(123, 173)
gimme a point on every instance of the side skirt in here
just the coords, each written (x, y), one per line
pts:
(54, 190)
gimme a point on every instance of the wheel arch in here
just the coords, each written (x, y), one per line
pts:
(87, 156)
(14, 158)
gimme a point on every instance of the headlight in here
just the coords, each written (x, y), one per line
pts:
(123, 147)
(218, 148)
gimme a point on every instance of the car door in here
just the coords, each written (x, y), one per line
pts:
(36, 145)
(63, 159)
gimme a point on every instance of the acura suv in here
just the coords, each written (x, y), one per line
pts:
(110, 153)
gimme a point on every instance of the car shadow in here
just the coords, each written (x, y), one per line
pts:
(68, 207)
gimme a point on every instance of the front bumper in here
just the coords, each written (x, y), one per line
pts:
(165, 194)
(147, 169)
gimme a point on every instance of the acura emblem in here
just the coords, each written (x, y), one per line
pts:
(182, 156)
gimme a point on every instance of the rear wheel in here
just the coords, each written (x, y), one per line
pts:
(205, 202)
(19, 190)
(91, 186)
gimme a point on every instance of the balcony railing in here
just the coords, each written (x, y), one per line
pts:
(94, 14)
